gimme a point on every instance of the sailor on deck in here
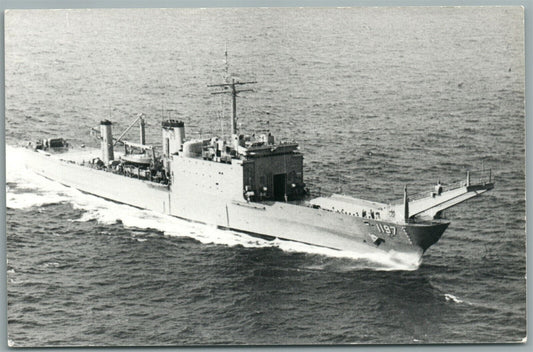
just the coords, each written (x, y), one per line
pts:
(438, 188)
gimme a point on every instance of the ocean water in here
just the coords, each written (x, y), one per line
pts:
(377, 98)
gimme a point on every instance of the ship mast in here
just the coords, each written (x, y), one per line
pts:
(226, 64)
(234, 92)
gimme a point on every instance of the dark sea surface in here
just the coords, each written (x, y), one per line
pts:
(377, 98)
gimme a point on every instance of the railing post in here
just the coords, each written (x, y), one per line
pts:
(467, 178)
(490, 175)
(405, 205)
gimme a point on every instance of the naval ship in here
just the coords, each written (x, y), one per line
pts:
(247, 183)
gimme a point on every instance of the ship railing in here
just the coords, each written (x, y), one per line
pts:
(480, 177)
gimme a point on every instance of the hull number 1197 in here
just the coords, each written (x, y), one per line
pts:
(389, 230)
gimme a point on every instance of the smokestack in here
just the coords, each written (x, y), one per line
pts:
(173, 136)
(107, 141)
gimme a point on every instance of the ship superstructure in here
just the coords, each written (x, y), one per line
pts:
(248, 183)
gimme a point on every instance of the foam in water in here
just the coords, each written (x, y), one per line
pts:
(450, 297)
(39, 191)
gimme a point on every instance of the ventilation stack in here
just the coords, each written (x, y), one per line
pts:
(107, 141)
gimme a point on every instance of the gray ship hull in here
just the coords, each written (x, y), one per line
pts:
(284, 220)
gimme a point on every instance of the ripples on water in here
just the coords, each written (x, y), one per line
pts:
(377, 98)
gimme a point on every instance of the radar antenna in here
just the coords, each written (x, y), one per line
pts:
(233, 91)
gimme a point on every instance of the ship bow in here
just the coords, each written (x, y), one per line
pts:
(426, 235)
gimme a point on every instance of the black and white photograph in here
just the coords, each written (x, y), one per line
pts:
(265, 176)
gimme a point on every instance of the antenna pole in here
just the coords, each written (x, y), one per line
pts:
(233, 108)
(234, 92)
(226, 62)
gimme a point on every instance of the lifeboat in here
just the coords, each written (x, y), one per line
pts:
(138, 159)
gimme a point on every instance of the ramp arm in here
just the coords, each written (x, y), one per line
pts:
(431, 205)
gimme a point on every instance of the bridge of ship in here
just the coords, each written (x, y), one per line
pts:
(271, 171)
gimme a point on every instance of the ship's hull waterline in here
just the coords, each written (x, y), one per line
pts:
(284, 220)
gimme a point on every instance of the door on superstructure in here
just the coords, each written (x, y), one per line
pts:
(280, 182)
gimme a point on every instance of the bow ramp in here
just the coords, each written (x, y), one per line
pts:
(426, 205)
(432, 205)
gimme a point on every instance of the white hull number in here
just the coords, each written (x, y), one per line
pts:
(389, 230)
